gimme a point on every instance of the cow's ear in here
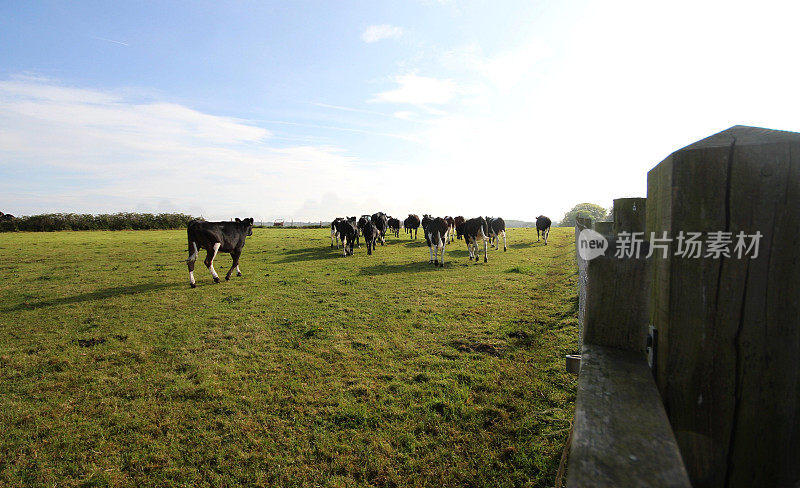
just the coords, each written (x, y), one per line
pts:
(251, 220)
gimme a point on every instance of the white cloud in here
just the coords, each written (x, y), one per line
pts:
(376, 33)
(419, 90)
(92, 151)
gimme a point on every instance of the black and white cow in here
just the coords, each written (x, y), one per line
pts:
(335, 232)
(497, 228)
(436, 235)
(451, 226)
(474, 231)
(543, 226)
(370, 232)
(411, 224)
(348, 233)
(216, 237)
(382, 223)
(394, 226)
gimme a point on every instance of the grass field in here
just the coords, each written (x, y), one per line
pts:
(311, 370)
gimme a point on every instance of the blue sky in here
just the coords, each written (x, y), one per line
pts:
(310, 110)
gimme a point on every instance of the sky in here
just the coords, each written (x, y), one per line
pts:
(309, 110)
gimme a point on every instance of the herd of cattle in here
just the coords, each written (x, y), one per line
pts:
(437, 232)
(229, 237)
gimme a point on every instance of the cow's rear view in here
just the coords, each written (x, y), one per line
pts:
(216, 237)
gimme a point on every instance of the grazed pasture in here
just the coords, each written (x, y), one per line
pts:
(311, 370)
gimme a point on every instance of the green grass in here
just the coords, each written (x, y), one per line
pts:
(311, 370)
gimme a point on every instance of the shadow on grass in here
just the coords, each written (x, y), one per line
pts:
(95, 295)
(418, 267)
(520, 246)
(417, 243)
(311, 254)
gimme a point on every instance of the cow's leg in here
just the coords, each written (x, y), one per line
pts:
(190, 262)
(537, 234)
(546, 235)
(235, 256)
(485, 251)
(430, 249)
(505, 247)
(212, 253)
(444, 244)
(344, 246)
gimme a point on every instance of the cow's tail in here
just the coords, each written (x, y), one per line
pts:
(192, 247)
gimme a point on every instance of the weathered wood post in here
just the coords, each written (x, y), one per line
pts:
(621, 436)
(604, 228)
(630, 214)
(581, 223)
(729, 325)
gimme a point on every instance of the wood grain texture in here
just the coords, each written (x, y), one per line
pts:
(729, 328)
(604, 228)
(629, 214)
(617, 296)
(621, 436)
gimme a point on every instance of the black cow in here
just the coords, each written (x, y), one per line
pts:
(426, 219)
(456, 222)
(474, 230)
(382, 223)
(543, 226)
(370, 232)
(394, 226)
(348, 233)
(497, 228)
(216, 237)
(411, 224)
(436, 236)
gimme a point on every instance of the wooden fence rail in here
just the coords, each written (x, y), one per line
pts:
(725, 409)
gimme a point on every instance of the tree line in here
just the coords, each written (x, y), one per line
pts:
(71, 221)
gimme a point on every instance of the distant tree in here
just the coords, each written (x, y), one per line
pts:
(591, 210)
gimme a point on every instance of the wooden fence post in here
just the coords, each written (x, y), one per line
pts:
(729, 326)
(621, 435)
(605, 228)
(581, 223)
(629, 214)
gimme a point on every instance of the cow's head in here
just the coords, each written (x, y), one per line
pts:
(247, 222)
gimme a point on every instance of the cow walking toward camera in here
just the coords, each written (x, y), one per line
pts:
(543, 226)
(411, 224)
(474, 231)
(216, 237)
(436, 235)
(497, 228)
